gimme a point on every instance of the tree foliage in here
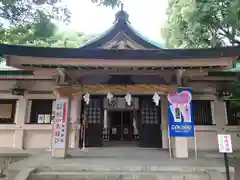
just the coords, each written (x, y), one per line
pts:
(112, 3)
(21, 12)
(202, 23)
(64, 38)
(27, 35)
(32, 22)
(68, 39)
(25, 21)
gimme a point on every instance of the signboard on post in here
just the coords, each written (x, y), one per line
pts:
(180, 116)
(225, 147)
(225, 143)
(60, 123)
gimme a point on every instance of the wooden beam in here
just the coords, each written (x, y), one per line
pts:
(19, 61)
(43, 78)
(104, 88)
(211, 78)
(131, 71)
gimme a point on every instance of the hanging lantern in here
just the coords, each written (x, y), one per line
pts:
(156, 98)
(128, 99)
(86, 98)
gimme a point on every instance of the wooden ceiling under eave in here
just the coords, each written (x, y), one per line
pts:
(31, 63)
(105, 88)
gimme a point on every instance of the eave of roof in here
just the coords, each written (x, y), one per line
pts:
(4, 67)
(10, 71)
(16, 73)
(89, 69)
(222, 73)
(236, 69)
(123, 54)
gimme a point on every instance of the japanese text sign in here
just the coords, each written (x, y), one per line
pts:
(225, 143)
(61, 110)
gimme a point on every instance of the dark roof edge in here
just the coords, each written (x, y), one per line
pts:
(146, 40)
(16, 73)
(119, 26)
(21, 50)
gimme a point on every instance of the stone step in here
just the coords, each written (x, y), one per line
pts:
(119, 176)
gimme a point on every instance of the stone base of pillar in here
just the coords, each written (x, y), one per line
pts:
(71, 138)
(74, 139)
(180, 147)
(165, 139)
(105, 134)
(59, 153)
(18, 139)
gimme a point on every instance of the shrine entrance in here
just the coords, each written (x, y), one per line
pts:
(121, 126)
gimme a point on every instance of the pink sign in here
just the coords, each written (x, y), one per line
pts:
(183, 97)
(180, 106)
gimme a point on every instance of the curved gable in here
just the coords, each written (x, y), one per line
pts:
(121, 36)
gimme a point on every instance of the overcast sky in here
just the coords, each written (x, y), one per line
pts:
(146, 16)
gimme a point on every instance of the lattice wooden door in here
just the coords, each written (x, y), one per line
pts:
(150, 133)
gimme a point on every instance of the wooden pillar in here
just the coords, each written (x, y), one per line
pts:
(164, 122)
(219, 115)
(75, 121)
(20, 119)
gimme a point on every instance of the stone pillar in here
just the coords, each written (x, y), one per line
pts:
(180, 145)
(78, 117)
(135, 126)
(75, 121)
(219, 115)
(20, 119)
(105, 126)
(105, 119)
(164, 122)
(63, 152)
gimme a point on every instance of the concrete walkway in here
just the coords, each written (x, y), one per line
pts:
(119, 156)
(121, 159)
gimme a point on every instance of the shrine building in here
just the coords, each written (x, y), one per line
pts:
(117, 63)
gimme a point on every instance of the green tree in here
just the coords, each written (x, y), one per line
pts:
(21, 12)
(202, 23)
(112, 3)
(63, 38)
(27, 34)
(67, 38)
(32, 22)
(22, 21)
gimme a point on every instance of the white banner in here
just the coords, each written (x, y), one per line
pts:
(225, 143)
(60, 123)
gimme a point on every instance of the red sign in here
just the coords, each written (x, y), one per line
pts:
(64, 113)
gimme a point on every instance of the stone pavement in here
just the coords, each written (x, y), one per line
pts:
(120, 163)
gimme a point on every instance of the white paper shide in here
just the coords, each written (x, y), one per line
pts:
(86, 98)
(156, 98)
(128, 99)
(110, 97)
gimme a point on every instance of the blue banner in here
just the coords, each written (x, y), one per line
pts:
(180, 114)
